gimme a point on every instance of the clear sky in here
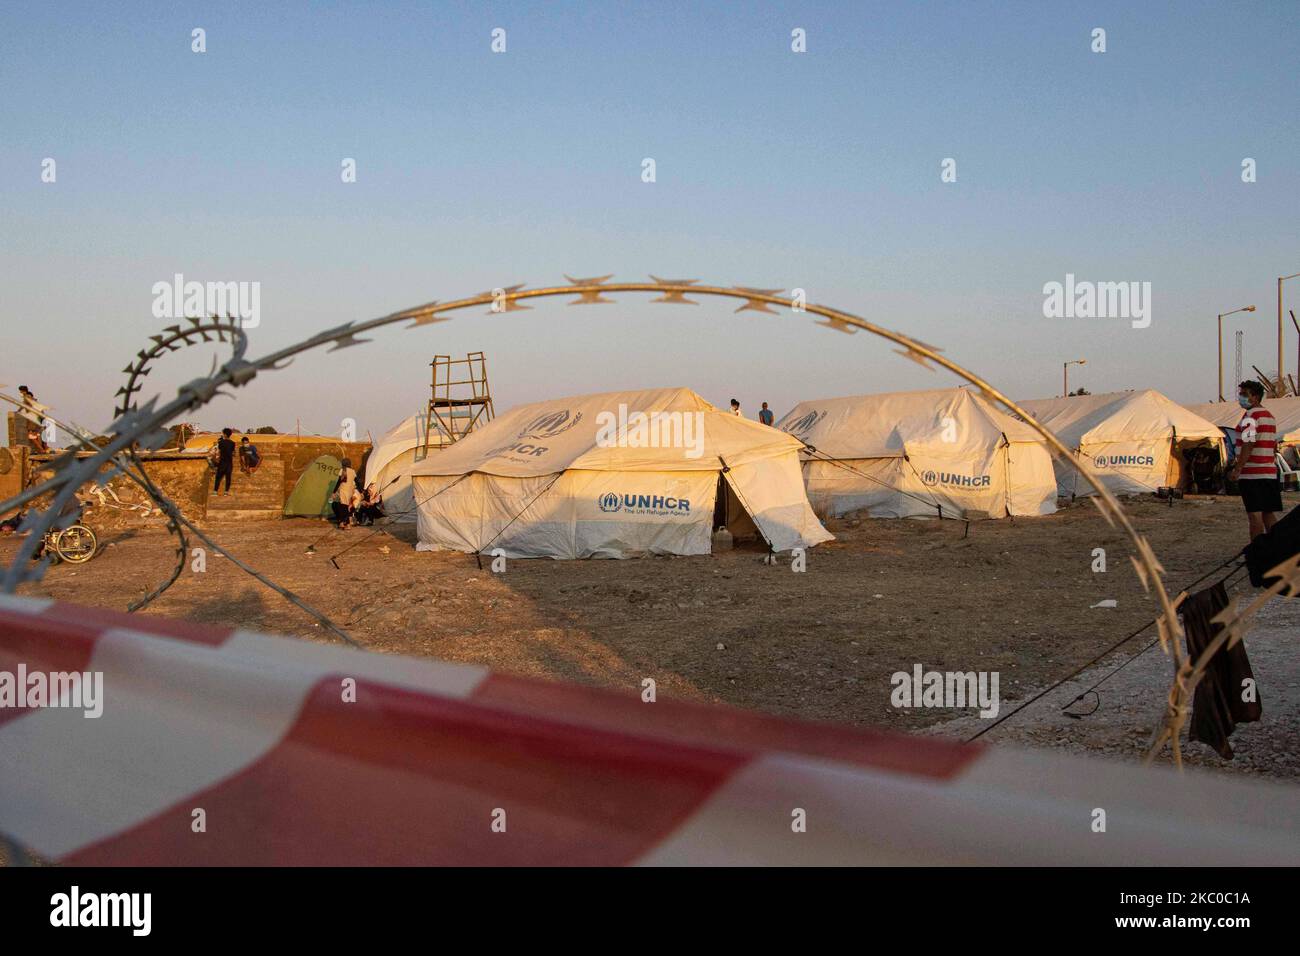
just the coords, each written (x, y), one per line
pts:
(478, 169)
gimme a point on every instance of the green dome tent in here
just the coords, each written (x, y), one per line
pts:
(311, 495)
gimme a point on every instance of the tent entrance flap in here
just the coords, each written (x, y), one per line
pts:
(773, 497)
(720, 504)
(735, 514)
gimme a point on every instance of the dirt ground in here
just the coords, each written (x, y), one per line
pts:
(1014, 597)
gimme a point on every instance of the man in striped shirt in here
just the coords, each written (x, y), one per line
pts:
(1254, 468)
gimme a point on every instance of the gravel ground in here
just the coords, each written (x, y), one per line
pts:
(1130, 705)
(1018, 598)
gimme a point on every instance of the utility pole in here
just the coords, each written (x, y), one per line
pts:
(1247, 308)
(1065, 375)
(1297, 344)
(1237, 367)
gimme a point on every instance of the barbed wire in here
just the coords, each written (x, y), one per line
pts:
(128, 464)
(141, 426)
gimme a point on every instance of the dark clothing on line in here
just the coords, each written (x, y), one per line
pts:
(1217, 706)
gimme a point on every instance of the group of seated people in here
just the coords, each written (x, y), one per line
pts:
(354, 504)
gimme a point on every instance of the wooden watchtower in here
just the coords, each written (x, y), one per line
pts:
(461, 400)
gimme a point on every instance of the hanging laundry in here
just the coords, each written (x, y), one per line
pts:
(1227, 694)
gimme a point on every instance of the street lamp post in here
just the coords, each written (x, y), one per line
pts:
(1249, 308)
(1065, 375)
(1281, 380)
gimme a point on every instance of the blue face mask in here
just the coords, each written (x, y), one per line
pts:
(1243, 401)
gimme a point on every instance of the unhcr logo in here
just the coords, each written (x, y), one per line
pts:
(932, 478)
(804, 423)
(610, 502)
(628, 429)
(1123, 461)
(550, 424)
(546, 425)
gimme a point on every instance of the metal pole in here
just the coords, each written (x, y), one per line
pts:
(1248, 308)
(1236, 367)
(1220, 356)
(1065, 380)
(1297, 342)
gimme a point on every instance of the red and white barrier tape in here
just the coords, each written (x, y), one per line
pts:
(294, 753)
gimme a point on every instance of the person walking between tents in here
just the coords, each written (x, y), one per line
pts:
(343, 493)
(1254, 468)
(225, 460)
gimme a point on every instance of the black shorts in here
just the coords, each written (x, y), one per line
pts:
(1260, 494)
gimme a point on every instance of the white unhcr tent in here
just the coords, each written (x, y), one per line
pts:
(395, 453)
(940, 452)
(613, 475)
(1135, 441)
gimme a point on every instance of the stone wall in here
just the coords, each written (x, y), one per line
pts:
(13, 466)
(183, 476)
(298, 456)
